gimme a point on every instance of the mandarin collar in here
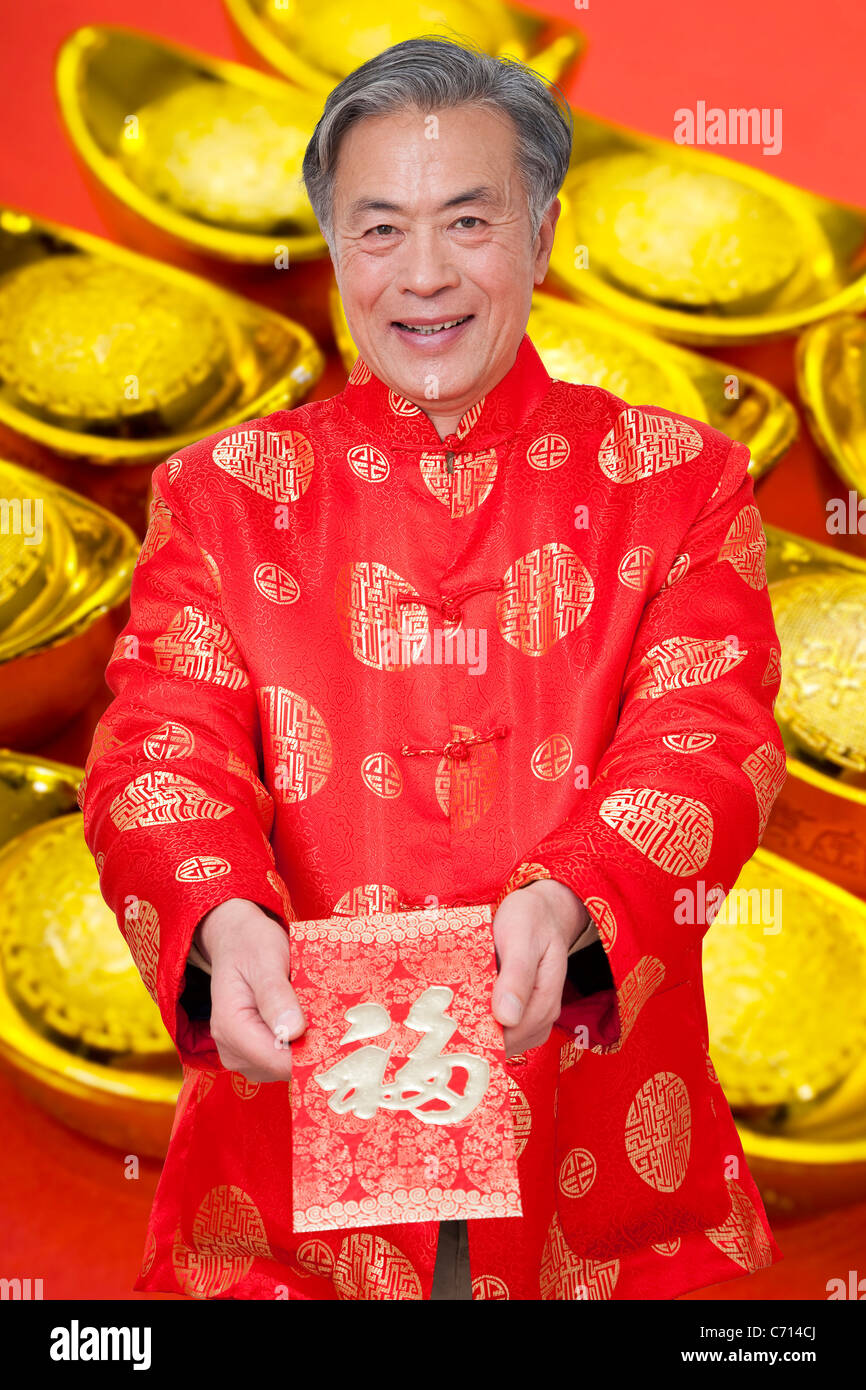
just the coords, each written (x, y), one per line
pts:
(400, 424)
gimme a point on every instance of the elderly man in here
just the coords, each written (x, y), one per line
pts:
(599, 770)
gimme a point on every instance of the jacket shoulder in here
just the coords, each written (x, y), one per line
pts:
(626, 434)
(191, 476)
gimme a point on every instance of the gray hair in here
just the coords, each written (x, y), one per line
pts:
(432, 73)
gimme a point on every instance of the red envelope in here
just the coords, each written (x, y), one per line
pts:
(400, 1108)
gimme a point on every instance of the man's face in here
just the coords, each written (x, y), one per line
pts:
(418, 259)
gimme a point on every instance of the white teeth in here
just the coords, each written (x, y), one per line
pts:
(437, 329)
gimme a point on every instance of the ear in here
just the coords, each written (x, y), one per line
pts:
(545, 239)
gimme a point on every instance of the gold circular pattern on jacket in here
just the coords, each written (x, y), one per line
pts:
(674, 832)
(742, 1236)
(682, 236)
(171, 740)
(821, 623)
(602, 914)
(158, 529)
(678, 663)
(162, 797)
(577, 1173)
(243, 1087)
(368, 463)
(773, 1041)
(546, 594)
(658, 1131)
(521, 1114)
(370, 1267)
(363, 901)
(695, 742)
(298, 749)
(379, 631)
(635, 567)
(76, 329)
(401, 406)
(678, 570)
(489, 1286)
(315, 1257)
(200, 868)
(275, 583)
(667, 1247)
(547, 452)
(766, 769)
(228, 1233)
(552, 758)
(360, 373)
(141, 929)
(467, 487)
(149, 1254)
(199, 647)
(382, 775)
(745, 547)
(276, 464)
(565, 1276)
(466, 789)
(640, 445)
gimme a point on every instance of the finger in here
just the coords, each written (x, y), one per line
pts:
(545, 1002)
(245, 1041)
(238, 1028)
(514, 983)
(279, 1006)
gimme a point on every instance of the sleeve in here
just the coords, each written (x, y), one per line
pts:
(174, 812)
(682, 794)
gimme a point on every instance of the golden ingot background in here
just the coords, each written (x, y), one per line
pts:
(78, 1031)
(772, 979)
(112, 326)
(697, 247)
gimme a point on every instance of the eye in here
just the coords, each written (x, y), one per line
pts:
(386, 225)
(470, 218)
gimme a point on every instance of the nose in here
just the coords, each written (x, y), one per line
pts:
(426, 263)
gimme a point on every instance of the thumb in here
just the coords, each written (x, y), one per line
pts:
(513, 987)
(279, 1006)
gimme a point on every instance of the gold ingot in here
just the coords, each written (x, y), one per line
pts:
(208, 151)
(831, 381)
(73, 351)
(819, 817)
(110, 357)
(589, 347)
(697, 247)
(317, 49)
(66, 567)
(68, 970)
(224, 154)
(775, 1042)
(821, 623)
(787, 1015)
(678, 235)
(79, 1032)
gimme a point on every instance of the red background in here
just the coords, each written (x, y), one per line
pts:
(68, 1214)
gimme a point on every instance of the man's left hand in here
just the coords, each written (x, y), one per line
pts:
(533, 931)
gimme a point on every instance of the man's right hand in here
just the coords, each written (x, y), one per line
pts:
(254, 1010)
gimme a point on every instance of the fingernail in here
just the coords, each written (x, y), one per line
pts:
(510, 1009)
(288, 1021)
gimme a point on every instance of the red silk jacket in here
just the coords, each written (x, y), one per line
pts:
(287, 728)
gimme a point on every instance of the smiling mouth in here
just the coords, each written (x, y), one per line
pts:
(429, 329)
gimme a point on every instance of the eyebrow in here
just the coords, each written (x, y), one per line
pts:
(482, 194)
